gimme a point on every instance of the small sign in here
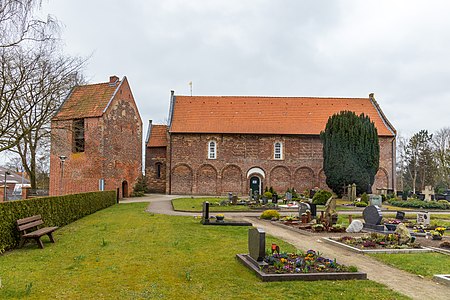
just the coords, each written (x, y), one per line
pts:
(423, 218)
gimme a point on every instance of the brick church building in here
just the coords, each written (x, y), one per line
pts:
(96, 140)
(213, 145)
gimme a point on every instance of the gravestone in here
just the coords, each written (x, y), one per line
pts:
(375, 200)
(302, 208)
(423, 218)
(313, 209)
(205, 212)
(257, 243)
(355, 226)
(288, 196)
(274, 198)
(256, 196)
(400, 215)
(421, 197)
(428, 193)
(372, 218)
(353, 192)
(234, 200)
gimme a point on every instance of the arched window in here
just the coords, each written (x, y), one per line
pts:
(278, 150)
(212, 150)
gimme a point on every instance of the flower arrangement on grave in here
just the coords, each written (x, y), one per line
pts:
(220, 217)
(301, 262)
(376, 240)
(318, 227)
(436, 235)
(337, 228)
(441, 230)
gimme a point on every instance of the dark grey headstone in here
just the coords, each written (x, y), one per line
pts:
(372, 215)
(303, 207)
(257, 243)
(205, 212)
(400, 215)
(313, 209)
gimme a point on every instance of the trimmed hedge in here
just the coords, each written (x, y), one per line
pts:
(420, 204)
(55, 211)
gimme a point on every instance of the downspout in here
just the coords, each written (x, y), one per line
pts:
(171, 109)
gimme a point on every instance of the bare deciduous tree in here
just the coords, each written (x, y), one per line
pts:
(18, 23)
(52, 80)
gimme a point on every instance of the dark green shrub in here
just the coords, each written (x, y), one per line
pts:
(55, 211)
(268, 195)
(361, 204)
(270, 214)
(321, 197)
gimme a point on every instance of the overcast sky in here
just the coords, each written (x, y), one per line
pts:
(399, 50)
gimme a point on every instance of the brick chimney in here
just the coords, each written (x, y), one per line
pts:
(113, 80)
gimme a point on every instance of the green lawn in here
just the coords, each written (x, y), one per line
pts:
(195, 204)
(425, 264)
(125, 253)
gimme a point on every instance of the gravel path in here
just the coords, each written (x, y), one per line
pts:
(408, 284)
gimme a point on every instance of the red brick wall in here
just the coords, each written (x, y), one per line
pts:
(154, 156)
(301, 166)
(112, 150)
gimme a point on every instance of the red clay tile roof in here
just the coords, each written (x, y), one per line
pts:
(266, 115)
(158, 136)
(87, 101)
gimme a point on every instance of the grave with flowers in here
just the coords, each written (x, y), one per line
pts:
(275, 265)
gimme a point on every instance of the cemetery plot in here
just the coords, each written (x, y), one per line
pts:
(279, 266)
(398, 242)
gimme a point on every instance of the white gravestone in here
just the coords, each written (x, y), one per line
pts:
(423, 218)
(355, 226)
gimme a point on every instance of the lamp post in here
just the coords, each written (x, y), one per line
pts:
(4, 195)
(62, 159)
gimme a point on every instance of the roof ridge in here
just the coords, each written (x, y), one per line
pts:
(281, 97)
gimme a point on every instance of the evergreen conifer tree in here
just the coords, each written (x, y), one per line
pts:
(351, 152)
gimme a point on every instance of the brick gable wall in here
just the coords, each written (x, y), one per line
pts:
(112, 150)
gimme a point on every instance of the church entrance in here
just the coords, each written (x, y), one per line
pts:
(124, 189)
(255, 185)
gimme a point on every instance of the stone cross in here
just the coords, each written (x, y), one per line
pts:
(428, 192)
(257, 243)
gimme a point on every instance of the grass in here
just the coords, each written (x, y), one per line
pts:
(123, 252)
(425, 264)
(195, 204)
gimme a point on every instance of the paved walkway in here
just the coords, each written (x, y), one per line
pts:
(408, 284)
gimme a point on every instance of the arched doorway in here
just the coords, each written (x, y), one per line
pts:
(255, 185)
(124, 189)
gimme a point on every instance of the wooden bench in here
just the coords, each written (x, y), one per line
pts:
(29, 229)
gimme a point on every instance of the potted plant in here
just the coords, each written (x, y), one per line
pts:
(220, 217)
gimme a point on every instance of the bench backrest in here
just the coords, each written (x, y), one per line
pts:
(30, 222)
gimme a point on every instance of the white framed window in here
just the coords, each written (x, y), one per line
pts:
(212, 150)
(278, 150)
